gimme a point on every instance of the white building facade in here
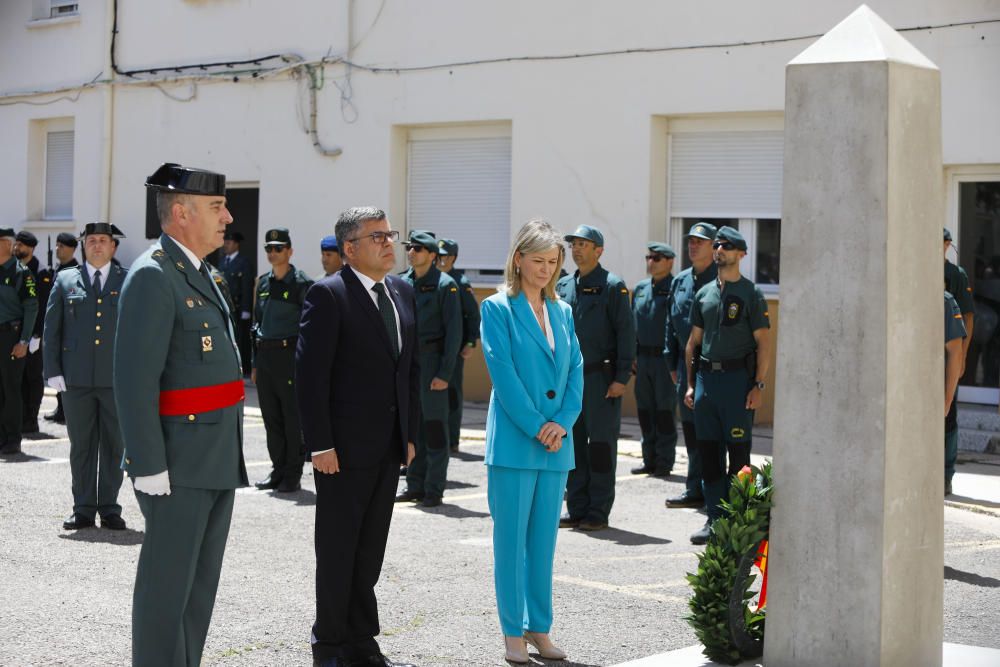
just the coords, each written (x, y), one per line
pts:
(466, 118)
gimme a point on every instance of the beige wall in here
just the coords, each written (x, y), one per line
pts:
(477, 380)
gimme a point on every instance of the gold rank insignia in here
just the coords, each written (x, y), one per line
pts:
(190, 302)
(454, 289)
(206, 344)
(180, 266)
(273, 235)
(737, 432)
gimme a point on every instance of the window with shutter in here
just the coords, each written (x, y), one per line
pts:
(59, 175)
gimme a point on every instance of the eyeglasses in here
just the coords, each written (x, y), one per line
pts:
(725, 245)
(655, 258)
(415, 247)
(273, 248)
(378, 238)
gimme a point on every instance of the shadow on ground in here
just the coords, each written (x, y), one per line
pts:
(125, 538)
(970, 578)
(619, 536)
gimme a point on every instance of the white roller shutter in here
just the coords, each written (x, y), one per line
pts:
(59, 175)
(726, 174)
(460, 189)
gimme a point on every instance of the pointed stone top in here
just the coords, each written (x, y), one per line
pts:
(862, 37)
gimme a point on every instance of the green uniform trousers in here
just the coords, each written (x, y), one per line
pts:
(178, 574)
(276, 395)
(455, 398)
(11, 376)
(95, 450)
(428, 471)
(656, 400)
(590, 489)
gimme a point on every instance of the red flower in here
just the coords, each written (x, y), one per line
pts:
(744, 473)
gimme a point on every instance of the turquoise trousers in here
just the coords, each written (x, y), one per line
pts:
(525, 506)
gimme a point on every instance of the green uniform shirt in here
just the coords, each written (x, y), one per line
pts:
(650, 307)
(729, 314)
(439, 317)
(682, 291)
(279, 304)
(603, 318)
(470, 308)
(18, 297)
(954, 327)
(956, 281)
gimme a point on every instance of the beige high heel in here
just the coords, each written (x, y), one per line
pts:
(546, 649)
(516, 651)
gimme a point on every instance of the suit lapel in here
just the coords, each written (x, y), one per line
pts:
(360, 294)
(523, 312)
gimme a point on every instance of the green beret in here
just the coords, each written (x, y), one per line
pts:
(424, 238)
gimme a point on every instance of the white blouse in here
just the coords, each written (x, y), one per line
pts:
(548, 326)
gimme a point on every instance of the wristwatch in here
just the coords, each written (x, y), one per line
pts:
(760, 385)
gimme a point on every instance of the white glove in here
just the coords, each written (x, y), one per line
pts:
(34, 344)
(245, 315)
(154, 485)
(57, 382)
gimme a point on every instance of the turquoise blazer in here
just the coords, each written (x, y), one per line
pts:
(532, 384)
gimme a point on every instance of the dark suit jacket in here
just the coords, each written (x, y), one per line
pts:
(351, 394)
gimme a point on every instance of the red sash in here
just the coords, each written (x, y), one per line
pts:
(196, 400)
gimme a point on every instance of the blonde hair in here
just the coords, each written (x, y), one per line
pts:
(536, 235)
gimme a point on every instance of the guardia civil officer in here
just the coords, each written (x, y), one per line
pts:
(954, 333)
(179, 391)
(439, 335)
(277, 309)
(81, 319)
(65, 250)
(237, 271)
(604, 325)
(447, 254)
(18, 310)
(682, 290)
(329, 255)
(956, 282)
(32, 384)
(655, 393)
(730, 341)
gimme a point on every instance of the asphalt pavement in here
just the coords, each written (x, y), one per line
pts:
(620, 594)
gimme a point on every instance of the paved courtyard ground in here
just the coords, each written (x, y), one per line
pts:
(620, 594)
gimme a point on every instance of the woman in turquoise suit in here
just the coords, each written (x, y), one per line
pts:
(534, 361)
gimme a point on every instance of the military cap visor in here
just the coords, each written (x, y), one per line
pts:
(426, 239)
(587, 233)
(172, 177)
(662, 249)
(277, 236)
(329, 243)
(447, 248)
(27, 238)
(732, 236)
(703, 230)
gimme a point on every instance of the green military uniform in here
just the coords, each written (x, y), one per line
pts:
(220, 282)
(954, 328)
(678, 325)
(439, 335)
(80, 326)
(729, 314)
(179, 390)
(470, 334)
(655, 393)
(604, 325)
(277, 309)
(18, 310)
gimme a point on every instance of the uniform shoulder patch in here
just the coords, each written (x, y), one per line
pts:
(454, 289)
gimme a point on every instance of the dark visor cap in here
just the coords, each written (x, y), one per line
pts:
(172, 177)
(102, 228)
(67, 239)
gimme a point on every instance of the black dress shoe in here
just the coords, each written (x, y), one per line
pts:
(269, 482)
(567, 521)
(11, 448)
(329, 662)
(77, 521)
(56, 416)
(289, 486)
(431, 501)
(380, 660)
(662, 472)
(642, 470)
(685, 500)
(112, 522)
(408, 496)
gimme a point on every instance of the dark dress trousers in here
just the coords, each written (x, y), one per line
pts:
(355, 397)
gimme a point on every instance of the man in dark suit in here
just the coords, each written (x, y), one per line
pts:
(357, 382)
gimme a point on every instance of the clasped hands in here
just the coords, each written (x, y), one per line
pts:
(551, 435)
(329, 464)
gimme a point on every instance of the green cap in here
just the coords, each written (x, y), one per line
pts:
(947, 234)
(448, 247)
(587, 233)
(703, 230)
(424, 238)
(277, 236)
(727, 233)
(662, 249)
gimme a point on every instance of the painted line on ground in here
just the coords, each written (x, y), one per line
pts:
(630, 591)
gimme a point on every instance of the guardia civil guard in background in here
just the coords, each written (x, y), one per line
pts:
(179, 391)
(18, 310)
(65, 250)
(606, 330)
(237, 272)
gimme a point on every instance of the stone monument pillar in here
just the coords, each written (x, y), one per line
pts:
(856, 567)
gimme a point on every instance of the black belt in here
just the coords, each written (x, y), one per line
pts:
(649, 350)
(436, 345)
(11, 326)
(276, 343)
(722, 366)
(595, 366)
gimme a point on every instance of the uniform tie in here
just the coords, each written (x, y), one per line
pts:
(97, 281)
(388, 318)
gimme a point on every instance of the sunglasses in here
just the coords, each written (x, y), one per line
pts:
(415, 247)
(725, 245)
(655, 258)
(273, 248)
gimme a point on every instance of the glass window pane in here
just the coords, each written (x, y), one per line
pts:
(768, 248)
